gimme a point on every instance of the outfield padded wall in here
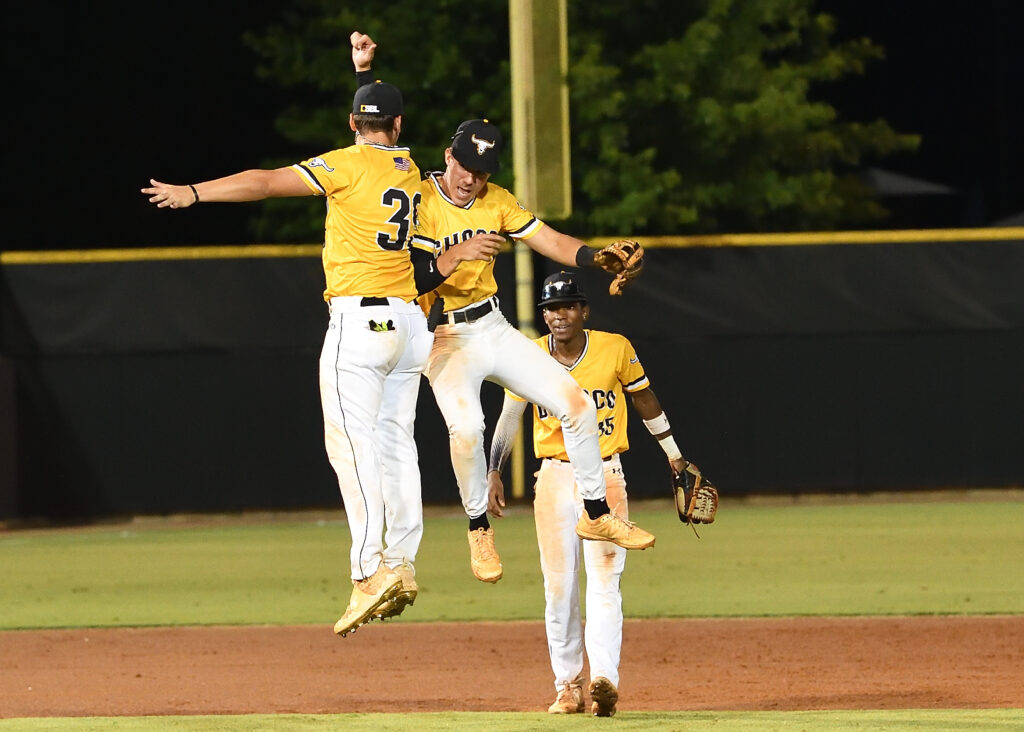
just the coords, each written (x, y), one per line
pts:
(191, 385)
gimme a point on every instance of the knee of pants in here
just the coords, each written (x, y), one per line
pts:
(580, 413)
(466, 438)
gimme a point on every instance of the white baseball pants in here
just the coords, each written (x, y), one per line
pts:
(370, 368)
(556, 508)
(464, 355)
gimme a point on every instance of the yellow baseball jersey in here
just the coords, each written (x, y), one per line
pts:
(442, 224)
(372, 192)
(607, 367)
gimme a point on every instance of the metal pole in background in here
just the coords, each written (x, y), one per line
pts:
(540, 145)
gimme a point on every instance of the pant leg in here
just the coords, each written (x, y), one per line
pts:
(459, 361)
(556, 511)
(604, 564)
(354, 362)
(400, 473)
(533, 374)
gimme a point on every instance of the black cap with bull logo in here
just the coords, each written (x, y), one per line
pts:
(477, 144)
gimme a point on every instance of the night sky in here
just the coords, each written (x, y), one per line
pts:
(102, 96)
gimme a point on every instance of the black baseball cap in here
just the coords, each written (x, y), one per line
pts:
(377, 98)
(562, 287)
(477, 144)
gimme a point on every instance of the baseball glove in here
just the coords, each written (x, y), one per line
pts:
(696, 498)
(624, 259)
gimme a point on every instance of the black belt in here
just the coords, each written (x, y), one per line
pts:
(470, 314)
(370, 301)
(603, 460)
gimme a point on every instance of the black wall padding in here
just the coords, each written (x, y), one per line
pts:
(154, 387)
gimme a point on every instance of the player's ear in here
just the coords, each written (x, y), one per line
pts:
(586, 311)
(398, 125)
(351, 121)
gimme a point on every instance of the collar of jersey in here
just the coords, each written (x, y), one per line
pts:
(380, 146)
(435, 178)
(583, 353)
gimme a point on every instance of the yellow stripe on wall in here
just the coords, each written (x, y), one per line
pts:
(88, 256)
(894, 236)
(267, 251)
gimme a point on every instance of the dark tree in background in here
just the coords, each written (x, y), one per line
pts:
(699, 116)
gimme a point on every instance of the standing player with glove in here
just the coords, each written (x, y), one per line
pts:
(473, 341)
(605, 365)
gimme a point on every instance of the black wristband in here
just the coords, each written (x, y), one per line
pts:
(194, 193)
(364, 77)
(584, 256)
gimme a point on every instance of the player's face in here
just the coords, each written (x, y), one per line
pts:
(461, 184)
(565, 320)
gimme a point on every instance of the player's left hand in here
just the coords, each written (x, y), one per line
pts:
(624, 259)
(495, 494)
(165, 195)
(362, 50)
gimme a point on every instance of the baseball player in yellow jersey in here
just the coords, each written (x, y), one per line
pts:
(474, 342)
(606, 366)
(377, 341)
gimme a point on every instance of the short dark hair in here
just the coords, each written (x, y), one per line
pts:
(374, 123)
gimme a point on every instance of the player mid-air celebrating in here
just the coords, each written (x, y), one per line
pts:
(377, 340)
(605, 365)
(474, 342)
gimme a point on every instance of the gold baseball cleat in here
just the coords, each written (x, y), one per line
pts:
(367, 596)
(611, 527)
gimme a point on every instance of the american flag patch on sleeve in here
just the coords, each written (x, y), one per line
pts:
(402, 163)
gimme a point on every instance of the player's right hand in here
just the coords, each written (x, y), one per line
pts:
(481, 247)
(165, 195)
(495, 494)
(362, 50)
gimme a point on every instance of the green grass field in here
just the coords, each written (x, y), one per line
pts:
(840, 559)
(774, 558)
(917, 720)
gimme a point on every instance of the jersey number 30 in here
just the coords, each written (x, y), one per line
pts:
(403, 217)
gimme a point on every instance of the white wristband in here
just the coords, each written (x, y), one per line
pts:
(657, 425)
(670, 448)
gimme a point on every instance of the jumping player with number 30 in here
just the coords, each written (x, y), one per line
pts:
(377, 342)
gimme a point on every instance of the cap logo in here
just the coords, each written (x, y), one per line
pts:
(368, 109)
(482, 146)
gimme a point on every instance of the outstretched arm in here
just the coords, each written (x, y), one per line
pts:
(649, 409)
(249, 185)
(559, 247)
(501, 445)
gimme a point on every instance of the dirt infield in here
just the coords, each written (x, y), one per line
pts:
(744, 664)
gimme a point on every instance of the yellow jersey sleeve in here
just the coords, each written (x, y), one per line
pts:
(372, 194)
